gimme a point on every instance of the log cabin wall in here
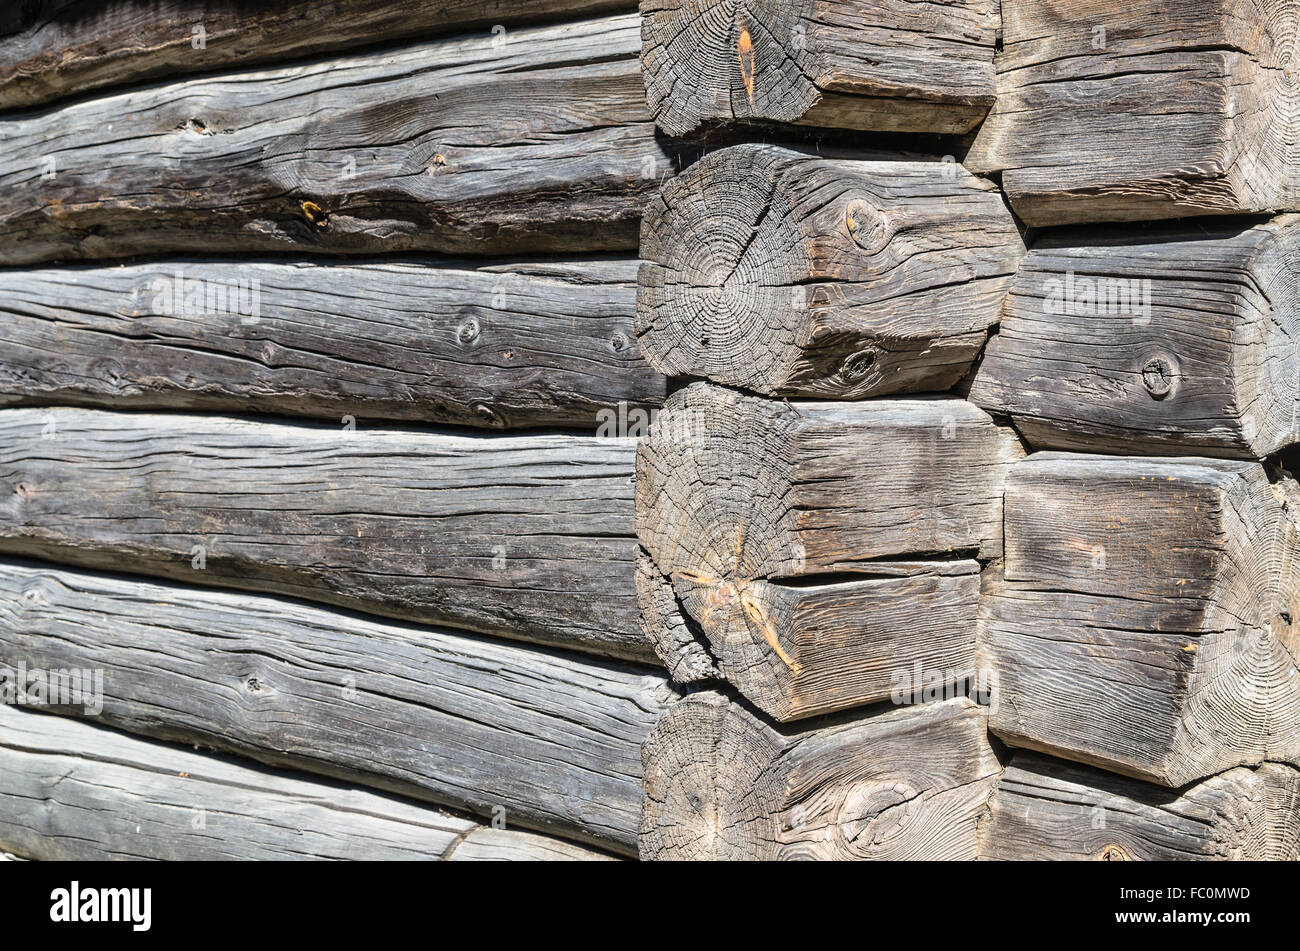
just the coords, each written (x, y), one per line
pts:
(552, 430)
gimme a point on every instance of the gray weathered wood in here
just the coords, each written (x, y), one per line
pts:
(522, 536)
(1045, 808)
(790, 548)
(540, 144)
(906, 783)
(1149, 617)
(790, 274)
(501, 346)
(842, 644)
(1144, 110)
(486, 844)
(1167, 342)
(70, 791)
(56, 48)
(894, 66)
(482, 725)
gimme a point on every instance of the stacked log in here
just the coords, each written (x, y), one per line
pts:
(1142, 621)
(370, 152)
(798, 557)
(136, 799)
(1085, 89)
(395, 617)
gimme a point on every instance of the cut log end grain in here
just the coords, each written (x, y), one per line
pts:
(788, 274)
(1172, 341)
(900, 67)
(1148, 619)
(904, 784)
(806, 553)
(1045, 808)
(1084, 93)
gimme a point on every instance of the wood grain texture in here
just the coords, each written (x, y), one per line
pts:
(1174, 341)
(551, 739)
(906, 783)
(502, 346)
(1144, 110)
(1049, 809)
(895, 66)
(521, 536)
(795, 550)
(1147, 620)
(70, 791)
(794, 275)
(845, 643)
(52, 49)
(422, 149)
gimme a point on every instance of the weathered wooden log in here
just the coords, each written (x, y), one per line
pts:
(502, 346)
(800, 650)
(55, 48)
(393, 151)
(1166, 342)
(909, 783)
(1045, 808)
(895, 67)
(522, 536)
(784, 542)
(1144, 110)
(790, 274)
(1149, 618)
(70, 791)
(551, 741)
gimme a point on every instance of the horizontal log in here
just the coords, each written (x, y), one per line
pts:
(550, 740)
(376, 152)
(785, 543)
(1046, 808)
(803, 650)
(1166, 342)
(794, 275)
(70, 791)
(898, 67)
(1144, 110)
(523, 345)
(521, 536)
(51, 49)
(909, 783)
(1149, 617)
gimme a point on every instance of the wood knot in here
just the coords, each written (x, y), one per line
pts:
(468, 331)
(619, 342)
(1159, 376)
(1114, 853)
(488, 415)
(315, 214)
(858, 365)
(868, 226)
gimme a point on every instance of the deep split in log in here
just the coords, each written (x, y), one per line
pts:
(528, 537)
(1046, 808)
(895, 66)
(790, 274)
(1144, 110)
(503, 346)
(404, 150)
(58, 48)
(70, 791)
(908, 783)
(1149, 617)
(1173, 341)
(797, 550)
(544, 739)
